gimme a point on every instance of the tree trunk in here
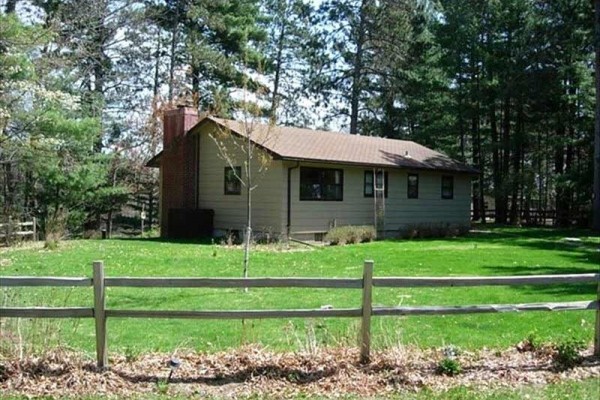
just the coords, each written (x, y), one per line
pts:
(156, 67)
(561, 204)
(278, 63)
(195, 84)
(476, 142)
(150, 209)
(248, 238)
(502, 201)
(357, 71)
(476, 161)
(596, 206)
(172, 61)
(496, 173)
(101, 65)
(516, 164)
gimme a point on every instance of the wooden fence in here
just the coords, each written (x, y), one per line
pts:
(13, 230)
(535, 217)
(365, 312)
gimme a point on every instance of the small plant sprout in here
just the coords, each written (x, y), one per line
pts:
(174, 363)
(449, 365)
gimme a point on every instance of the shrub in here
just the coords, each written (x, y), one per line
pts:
(350, 234)
(55, 228)
(449, 366)
(432, 230)
(568, 353)
(532, 342)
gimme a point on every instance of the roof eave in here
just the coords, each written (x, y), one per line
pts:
(466, 170)
(154, 162)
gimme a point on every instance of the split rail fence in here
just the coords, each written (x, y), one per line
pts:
(16, 230)
(100, 313)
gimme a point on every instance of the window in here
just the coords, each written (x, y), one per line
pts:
(321, 184)
(232, 183)
(413, 186)
(447, 187)
(369, 189)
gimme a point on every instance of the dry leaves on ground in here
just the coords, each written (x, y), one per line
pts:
(257, 371)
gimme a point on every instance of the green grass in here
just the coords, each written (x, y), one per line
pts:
(588, 389)
(504, 251)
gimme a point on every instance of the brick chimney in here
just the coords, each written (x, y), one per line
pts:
(179, 165)
(176, 122)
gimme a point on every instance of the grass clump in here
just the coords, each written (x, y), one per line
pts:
(433, 230)
(532, 343)
(351, 234)
(449, 365)
(568, 353)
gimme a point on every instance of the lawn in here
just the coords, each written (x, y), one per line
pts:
(584, 390)
(502, 251)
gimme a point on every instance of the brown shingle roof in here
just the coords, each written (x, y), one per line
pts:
(291, 143)
(312, 145)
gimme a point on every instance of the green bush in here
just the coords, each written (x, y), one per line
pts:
(449, 366)
(350, 234)
(568, 353)
(433, 230)
(532, 342)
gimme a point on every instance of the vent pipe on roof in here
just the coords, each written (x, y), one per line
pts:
(406, 154)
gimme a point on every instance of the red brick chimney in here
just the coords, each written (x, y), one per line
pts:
(179, 164)
(176, 122)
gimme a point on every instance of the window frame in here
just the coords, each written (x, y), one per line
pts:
(451, 180)
(409, 195)
(302, 193)
(237, 173)
(385, 182)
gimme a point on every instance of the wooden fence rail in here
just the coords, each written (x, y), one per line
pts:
(11, 230)
(99, 312)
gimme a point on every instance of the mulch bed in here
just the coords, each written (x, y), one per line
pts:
(257, 371)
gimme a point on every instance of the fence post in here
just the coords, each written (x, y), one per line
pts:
(597, 330)
(367, 306)
(35, 233)
(9, 231)
(100, 314)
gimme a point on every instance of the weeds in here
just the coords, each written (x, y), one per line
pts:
(350, 234)
(162, 386)
(533, 342)
(568, 353)
(449, 365)
(131, 354)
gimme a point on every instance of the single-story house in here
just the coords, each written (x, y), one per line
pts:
(306, 181)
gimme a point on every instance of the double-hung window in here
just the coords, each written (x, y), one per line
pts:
(233, 185)
(382, 182)
(447, 187)
(412, 191)
(321, 184)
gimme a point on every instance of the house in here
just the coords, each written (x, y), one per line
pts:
(311, 180)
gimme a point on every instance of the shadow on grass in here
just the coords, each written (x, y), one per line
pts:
(205, 240)
(558, 289)
(550, 239)
(271, 371)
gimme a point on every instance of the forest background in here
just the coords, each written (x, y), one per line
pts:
(504, 85)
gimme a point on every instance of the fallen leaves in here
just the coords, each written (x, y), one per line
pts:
(256, 371)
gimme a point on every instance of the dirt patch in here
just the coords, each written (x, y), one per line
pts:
(253, 371)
